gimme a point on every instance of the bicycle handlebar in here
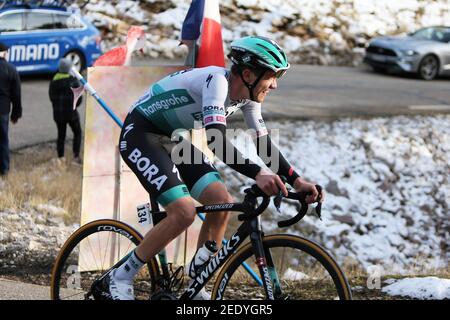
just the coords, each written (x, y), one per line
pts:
(255, 192)
(251, 194)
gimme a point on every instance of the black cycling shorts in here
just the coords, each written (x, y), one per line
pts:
(147, 151)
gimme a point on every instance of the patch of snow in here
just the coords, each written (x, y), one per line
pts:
(294, 275)
(429, 288)
(328, 31)
(172, 17)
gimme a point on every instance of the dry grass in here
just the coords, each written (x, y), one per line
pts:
(37, 178)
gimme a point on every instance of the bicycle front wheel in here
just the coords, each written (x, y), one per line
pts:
(299, 270)
(92, 250)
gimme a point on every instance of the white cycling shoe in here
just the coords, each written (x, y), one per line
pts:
(202, 294)
(119, 289)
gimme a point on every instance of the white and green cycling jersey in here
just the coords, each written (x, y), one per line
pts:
(195, 98)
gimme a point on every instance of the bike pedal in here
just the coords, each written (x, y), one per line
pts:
(163, 295)
(99, 292)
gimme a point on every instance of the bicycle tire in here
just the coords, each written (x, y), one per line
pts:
(308, 247)
(83, 232)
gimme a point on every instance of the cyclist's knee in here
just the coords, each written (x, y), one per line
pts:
(182, 212)
(223, 197)
(220, 197)
(216, 193)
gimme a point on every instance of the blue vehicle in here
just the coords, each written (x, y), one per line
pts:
(39, 35)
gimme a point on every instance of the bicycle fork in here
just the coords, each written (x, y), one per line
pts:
(264, 262)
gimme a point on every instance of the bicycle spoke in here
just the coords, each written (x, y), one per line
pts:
(92, 253)
(282, 260)
(126, 251)
(73, 295)
(93, 241)
(106, 248)
(99, 249)
(84, 260)
(296, 274)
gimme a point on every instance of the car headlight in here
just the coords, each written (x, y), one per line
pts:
(409, 53)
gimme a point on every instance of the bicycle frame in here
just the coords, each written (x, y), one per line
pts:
(243, 232)
(250, 228)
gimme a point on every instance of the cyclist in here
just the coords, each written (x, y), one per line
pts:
(209, 94)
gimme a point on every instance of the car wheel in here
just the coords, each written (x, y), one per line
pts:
(428, 68)
(77, 60)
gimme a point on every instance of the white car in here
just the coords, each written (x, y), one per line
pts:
(425, 52)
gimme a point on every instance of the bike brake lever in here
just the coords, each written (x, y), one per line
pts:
(318, 208)
(277, 201)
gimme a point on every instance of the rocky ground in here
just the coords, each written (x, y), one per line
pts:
(39, 201)
(32, 237)
(326, 32)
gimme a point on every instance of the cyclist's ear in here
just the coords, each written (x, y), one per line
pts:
(248, 75)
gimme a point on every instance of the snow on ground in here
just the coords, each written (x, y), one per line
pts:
(294, 275)
(312, 31)
(429, 288)
(387, 183)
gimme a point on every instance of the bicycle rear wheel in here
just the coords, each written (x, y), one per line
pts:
(299, 268)
(89, 252)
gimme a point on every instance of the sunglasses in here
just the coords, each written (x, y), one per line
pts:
(280, 73)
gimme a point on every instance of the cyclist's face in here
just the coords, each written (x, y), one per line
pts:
(268, 82)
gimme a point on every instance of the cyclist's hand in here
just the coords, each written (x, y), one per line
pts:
(270, 183)
(301, 185)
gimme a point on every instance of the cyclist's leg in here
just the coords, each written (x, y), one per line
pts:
(215, 223)
(207, 187)
(180, 215)
(151, 163)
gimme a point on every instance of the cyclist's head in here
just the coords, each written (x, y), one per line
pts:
(259, 54)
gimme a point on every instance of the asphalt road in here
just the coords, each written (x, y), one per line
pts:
(14, 290)
(306, 92)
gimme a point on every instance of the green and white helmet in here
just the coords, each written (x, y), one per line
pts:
(259, 53)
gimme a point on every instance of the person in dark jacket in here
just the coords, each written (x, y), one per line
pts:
(9, 94)
(61, 96)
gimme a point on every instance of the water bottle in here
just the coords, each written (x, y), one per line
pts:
(202, 257)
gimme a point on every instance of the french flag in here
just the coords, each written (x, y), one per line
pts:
(202, 23)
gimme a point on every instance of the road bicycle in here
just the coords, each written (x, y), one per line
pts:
(288, 267)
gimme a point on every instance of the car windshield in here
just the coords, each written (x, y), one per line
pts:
(434, 34)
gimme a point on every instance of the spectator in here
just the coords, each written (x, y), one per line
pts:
(61, 97)
(9, 94)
